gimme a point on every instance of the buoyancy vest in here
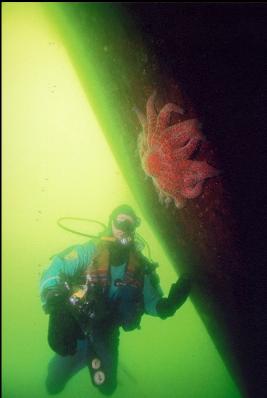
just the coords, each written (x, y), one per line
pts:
(129, 308)
(99, 268)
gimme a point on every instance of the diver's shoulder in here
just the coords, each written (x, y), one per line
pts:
(89, 246)
(78, 249)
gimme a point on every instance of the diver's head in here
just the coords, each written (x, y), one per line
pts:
(122, 224)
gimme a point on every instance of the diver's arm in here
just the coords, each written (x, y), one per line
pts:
(154, 302)
(62, 267)
(178, 294)
(53, 291)
(152, 293)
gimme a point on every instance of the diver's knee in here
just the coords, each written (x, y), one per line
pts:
(107, 389)
(54, 388)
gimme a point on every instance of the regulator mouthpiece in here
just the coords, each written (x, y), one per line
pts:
(125, 241)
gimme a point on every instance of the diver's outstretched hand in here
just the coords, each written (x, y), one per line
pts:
(178, 294)
(179, 291)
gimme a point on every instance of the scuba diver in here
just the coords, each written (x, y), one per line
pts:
(93, 289)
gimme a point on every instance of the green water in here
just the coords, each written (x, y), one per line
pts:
(57, 163)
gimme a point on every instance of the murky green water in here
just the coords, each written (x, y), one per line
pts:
(57, 163)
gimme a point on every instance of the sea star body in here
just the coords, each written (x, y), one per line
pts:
(168, 153)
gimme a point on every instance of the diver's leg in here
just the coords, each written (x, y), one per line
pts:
(61, 369)
(63, 332)
(103, 359)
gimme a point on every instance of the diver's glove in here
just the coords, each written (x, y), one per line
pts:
(55, 297)
(178, 293)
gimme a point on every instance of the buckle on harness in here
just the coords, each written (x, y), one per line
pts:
(119, 282)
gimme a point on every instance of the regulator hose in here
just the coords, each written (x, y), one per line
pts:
(61, 225)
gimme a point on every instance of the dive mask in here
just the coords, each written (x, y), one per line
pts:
(125, 226)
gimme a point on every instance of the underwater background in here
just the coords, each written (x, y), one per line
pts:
(56, 163)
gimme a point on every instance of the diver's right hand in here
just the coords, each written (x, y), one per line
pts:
(55, 298)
